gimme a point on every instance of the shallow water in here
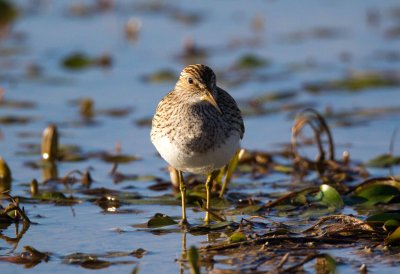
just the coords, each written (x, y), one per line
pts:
(47, 31)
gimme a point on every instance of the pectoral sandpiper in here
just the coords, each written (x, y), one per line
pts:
(197, 128)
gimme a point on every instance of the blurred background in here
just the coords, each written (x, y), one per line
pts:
(97, 70)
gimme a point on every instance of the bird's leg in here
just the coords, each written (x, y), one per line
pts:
(231, 168)
(218, 179)
(182, 188)
(221, 173)
(210, 179)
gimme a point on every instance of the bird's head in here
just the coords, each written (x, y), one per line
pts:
(200, 82)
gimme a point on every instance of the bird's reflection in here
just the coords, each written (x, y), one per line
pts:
(205, 261)
(184, 254)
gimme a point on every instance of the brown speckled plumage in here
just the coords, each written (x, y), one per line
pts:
(194, 125)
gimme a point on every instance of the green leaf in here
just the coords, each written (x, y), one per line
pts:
(160, 220)
(160, 76)
(354, 200)
(204, 228)
(383, 217)
(384, 160)
(313, 212)
(237, 237)
(330, 197)
(250, 61)
(77, 61)
(375, 190)
(394, 237)
(378, 193)
(379, 199)
(299, 199)
(363, 81)
(391, 225)
(54, 195)
(220, 203)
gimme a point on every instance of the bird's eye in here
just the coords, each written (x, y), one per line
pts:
(190, 80)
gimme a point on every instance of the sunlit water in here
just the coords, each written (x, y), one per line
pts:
(50, 32)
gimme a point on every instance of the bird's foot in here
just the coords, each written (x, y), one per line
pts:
(184, 224)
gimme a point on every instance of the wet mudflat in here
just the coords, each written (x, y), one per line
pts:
(92, 73)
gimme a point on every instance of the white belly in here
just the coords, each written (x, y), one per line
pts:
(199, 163)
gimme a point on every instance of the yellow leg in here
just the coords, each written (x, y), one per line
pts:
(231, 168)
(182, 188)
(221, 173)
(210, 179)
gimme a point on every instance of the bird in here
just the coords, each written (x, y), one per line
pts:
(197, 128)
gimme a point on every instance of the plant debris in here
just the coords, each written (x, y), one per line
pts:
(250, 61)
(78, 60)
(30, 257)
(356, 82)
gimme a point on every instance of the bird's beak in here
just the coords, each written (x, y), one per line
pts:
(210, 98)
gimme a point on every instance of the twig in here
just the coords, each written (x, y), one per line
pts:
(307, 116)
(343, 218)
(283, 260)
